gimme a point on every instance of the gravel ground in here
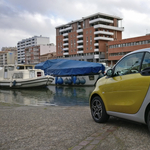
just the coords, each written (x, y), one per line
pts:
(66, 128)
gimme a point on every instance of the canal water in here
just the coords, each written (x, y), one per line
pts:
(51, 96)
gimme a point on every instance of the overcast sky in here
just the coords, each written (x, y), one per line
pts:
(21, 19)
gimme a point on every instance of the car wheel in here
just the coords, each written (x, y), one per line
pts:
(98, 110)
(148, 120)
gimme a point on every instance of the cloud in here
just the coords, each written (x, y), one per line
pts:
(135, 23)
(21, 19)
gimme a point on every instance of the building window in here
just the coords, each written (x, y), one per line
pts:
(74, 43)
(71, 44)
(90, 40)
(86, 40)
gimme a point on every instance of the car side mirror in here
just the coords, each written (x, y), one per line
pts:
(109, 73)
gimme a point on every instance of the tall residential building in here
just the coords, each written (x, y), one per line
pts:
(25, 43)
(86, 39)
(34, 54)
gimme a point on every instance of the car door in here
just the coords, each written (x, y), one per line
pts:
(125, 91)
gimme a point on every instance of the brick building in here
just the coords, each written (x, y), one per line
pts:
(86, 39)
(39, 53)
(117, 49)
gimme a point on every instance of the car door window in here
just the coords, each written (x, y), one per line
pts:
(146, 61)
(130, 64)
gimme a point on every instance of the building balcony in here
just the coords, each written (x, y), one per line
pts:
(28, 58)
(101, 20)
(80, 41)
(22, 55)
(65, 49)
(65, 44)
(19, 51)
(36, 62)
(80, 52)
(66, 53)
(28, 55)
(96, 50)
(36, 57)
(96, 44)
(35, 54)
(28, 43)
(66, 39)
(103, 32)
(103, 38)
(96, 56)
(79, 30)
(80, 46)
(36, 50)
(80, 36)
(109, 27)
(65, 29)
(65, 34)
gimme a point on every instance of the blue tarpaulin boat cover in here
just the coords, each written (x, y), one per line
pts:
(65, 67)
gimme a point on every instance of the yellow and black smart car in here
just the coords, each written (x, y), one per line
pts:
(125, 90)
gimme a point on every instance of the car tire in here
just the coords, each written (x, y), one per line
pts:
(148, 120)
(98, 110)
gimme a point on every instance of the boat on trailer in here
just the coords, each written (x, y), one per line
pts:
(23, 76)
(72, 72)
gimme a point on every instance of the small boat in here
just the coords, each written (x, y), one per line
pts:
(72, 72)
(23, 76)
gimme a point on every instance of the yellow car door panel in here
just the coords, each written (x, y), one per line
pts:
(125, 93)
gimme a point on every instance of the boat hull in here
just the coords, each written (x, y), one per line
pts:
(26, 83)
(85, 80)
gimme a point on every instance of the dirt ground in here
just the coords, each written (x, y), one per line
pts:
(66, 128)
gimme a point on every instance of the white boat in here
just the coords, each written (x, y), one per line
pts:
(23, 76)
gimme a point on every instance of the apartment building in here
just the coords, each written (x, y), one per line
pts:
(117, 49)
(36, 54)
(86, 39)
(3, 58)
(30, 42)
(8, 55)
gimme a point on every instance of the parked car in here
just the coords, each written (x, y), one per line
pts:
(125, 90)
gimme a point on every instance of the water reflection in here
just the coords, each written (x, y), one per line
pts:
(53, 95)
